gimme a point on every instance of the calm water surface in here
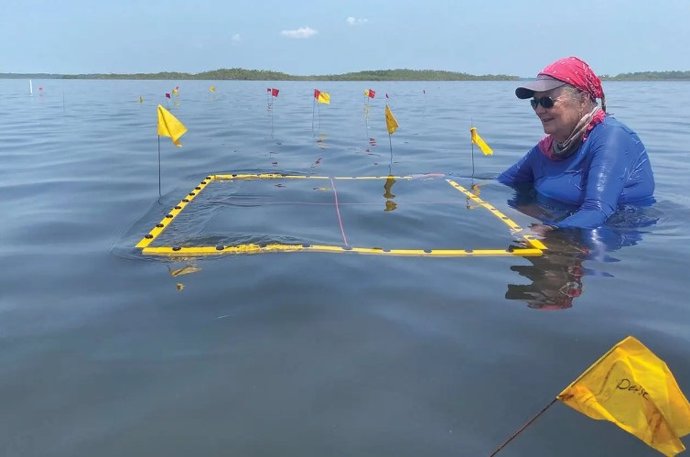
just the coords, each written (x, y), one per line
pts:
(108, 353)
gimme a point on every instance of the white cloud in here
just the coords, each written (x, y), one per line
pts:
(236, 39)
(302, 32)
(356, 21)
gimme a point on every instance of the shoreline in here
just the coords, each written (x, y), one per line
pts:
(240, 74)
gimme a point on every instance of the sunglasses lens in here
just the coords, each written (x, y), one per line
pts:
(546, 102)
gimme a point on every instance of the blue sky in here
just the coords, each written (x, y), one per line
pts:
(306, 37)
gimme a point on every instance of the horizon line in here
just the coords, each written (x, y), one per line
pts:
(277, 75)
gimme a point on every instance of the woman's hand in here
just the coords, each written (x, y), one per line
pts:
(541, 229)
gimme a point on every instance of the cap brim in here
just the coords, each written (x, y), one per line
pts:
(528, 89)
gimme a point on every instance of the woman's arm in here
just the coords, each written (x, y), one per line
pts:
(520, 172)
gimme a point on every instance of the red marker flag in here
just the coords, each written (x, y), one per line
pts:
(370, 93)
(274, 92)
(317, 92)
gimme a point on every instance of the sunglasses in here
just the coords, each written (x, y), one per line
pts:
(546, 102)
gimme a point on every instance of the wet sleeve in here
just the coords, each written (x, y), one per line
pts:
(520, 172)
(612, 157)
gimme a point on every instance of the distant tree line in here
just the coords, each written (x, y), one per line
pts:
(650, 76)
(242, 74)
(411, 75)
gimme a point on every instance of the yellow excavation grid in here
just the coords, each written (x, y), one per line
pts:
(535, 248)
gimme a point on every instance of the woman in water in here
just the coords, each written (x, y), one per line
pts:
(588, 159)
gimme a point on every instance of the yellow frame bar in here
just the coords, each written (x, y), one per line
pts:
(536, 247)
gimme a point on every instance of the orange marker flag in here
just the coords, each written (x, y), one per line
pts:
(170, 126)
(479, 141)
(391, 122)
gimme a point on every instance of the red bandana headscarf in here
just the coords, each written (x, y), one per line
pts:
(578, 74)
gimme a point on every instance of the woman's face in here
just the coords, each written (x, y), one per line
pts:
(559, 120)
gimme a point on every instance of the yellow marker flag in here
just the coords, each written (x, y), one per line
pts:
(324, 97)
(633, 388)
(169, 126)
(391, 123)
(479, 141)
(212, 89)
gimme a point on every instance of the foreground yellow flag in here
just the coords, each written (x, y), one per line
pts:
(169, 126)
(634, 389)
(479, 141)
(391, 123)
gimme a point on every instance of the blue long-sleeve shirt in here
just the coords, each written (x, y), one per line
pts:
(609, 169)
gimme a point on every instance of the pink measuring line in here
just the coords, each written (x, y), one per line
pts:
(337, 210)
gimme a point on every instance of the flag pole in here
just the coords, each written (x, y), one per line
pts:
(366, 112)
(522, 429)
(472, 144)
(272, 108)
(159, 167)
(366, 123)
(313, 111)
